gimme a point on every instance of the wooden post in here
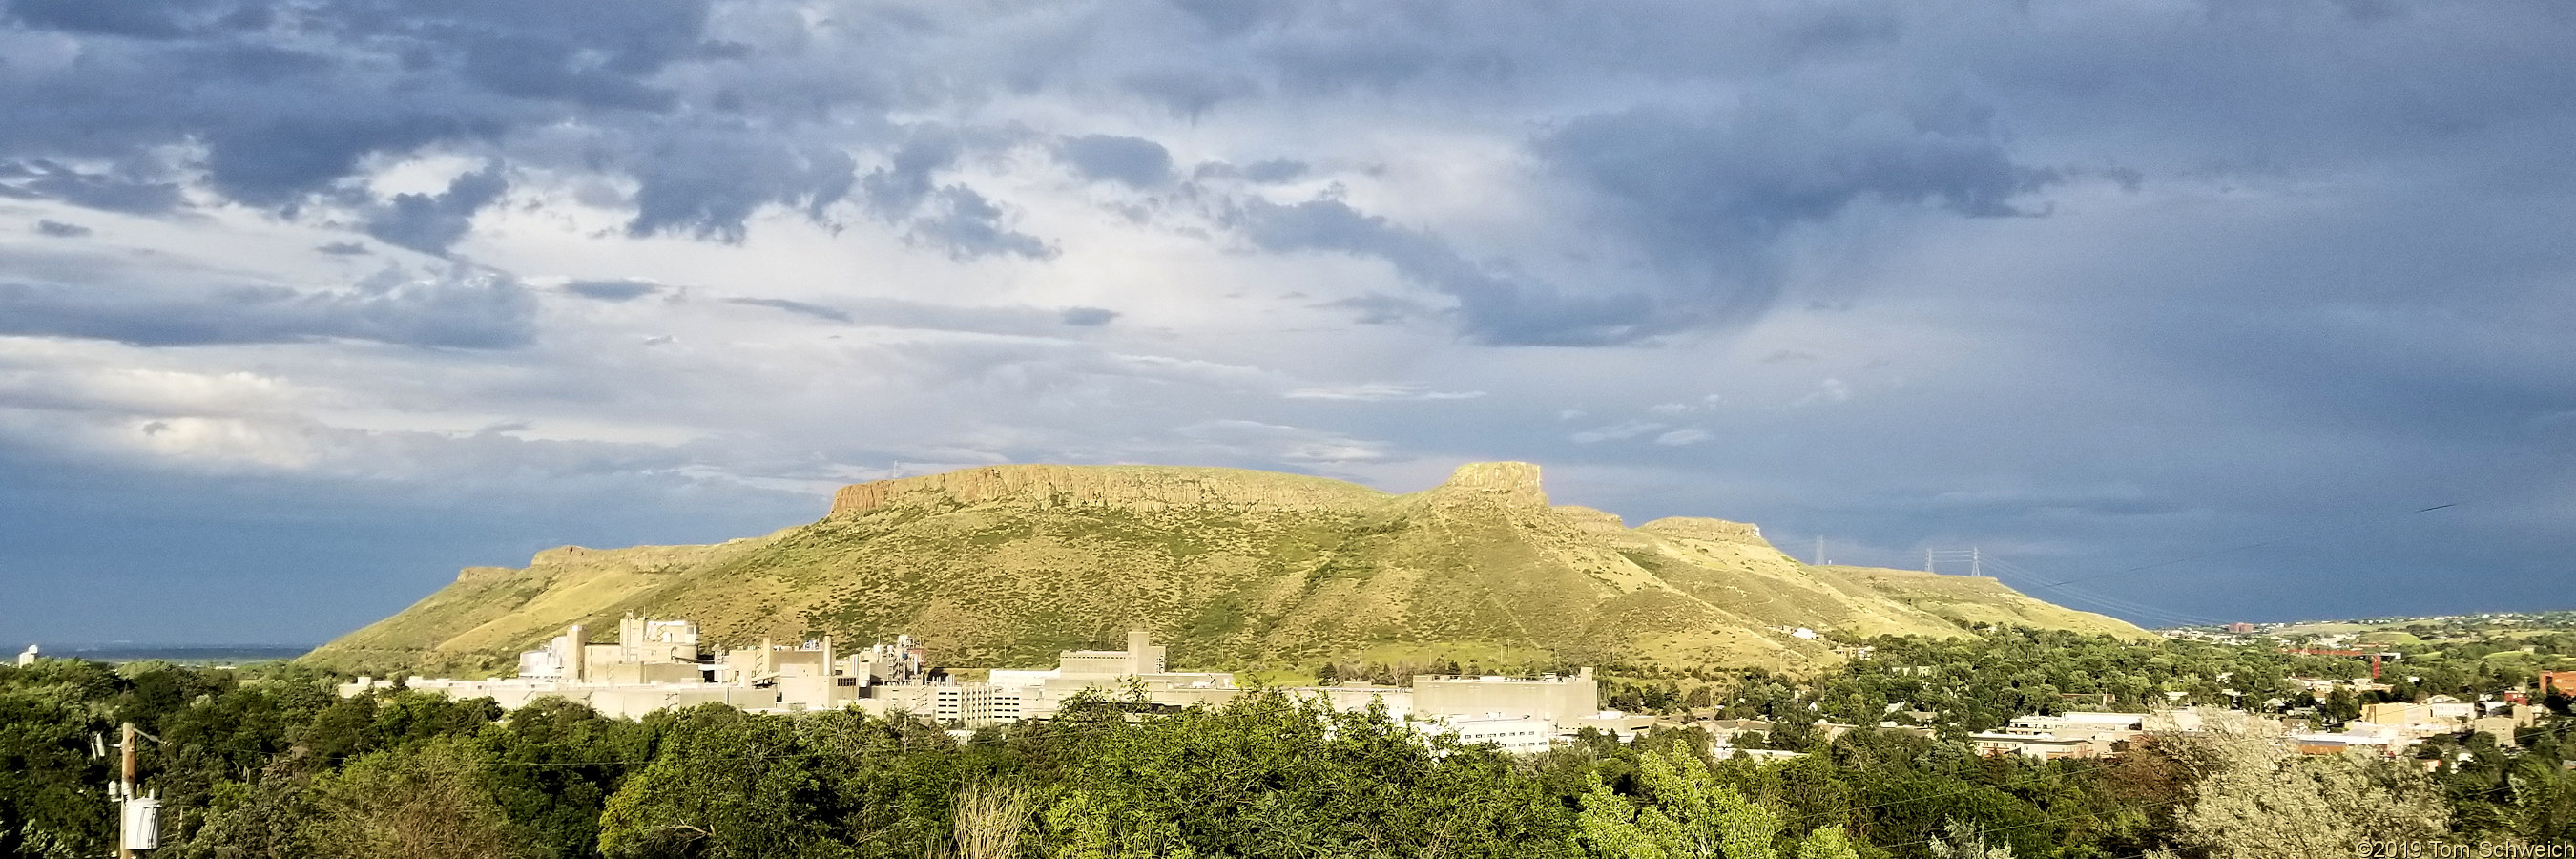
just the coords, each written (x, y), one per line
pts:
(126, 746)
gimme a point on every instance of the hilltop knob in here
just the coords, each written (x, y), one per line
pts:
(1515, 482)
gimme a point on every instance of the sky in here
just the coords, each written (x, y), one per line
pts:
(2181, 311)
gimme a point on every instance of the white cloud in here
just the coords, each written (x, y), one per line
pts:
(1678, 438)
(1378, 392)
(1827, 391)
(1260, 441)
(2334, 288)
(1616, 432)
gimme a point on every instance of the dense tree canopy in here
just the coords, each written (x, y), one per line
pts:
(268, 762)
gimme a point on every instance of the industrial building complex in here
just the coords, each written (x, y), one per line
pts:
(661, 664)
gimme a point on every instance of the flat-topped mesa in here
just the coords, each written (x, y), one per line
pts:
(1586, 518)
(631, 558)
(1101, 485)
(1513, 483)
(1700, 528)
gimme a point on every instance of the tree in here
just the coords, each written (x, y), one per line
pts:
(1272, 775)
(1828, 843)
(724, 784)
(1966, 841)
(555, 762)
(2255, 796)
(1682, 812)
(432, 802)
(989, 821)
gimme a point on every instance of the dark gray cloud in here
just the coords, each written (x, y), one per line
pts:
(1274, 170)
(280, 162)
(1189, 93)
(1134, 161)
(1731, 181)
(289, 107)
(460, 308)
(112, 190)
(2297, 258)
(143, 19)
(1271, 172)
(1015, 321)
(965, 224)
(1088, 317)
(958, 220)
(900, 186)
(1706, 197)
(800, 308)
(430, 223)
(1495, 306)
(61, 230)
(612, 290)
(1380, 308)
(708, 185)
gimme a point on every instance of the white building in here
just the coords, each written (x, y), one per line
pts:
(1515, 734)
(2066, 735)
(1039, 694)
(1559, 699)
(658, 665)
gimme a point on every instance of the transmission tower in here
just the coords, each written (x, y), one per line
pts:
(1974, 558)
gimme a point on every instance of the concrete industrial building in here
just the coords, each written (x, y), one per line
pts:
(660, 664)
(2068, 735)
(1561, 700)
(1143, 665)
(647, 651)
(1515, 734)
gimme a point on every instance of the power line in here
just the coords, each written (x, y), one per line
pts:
(2038, 580)
(2254, 545)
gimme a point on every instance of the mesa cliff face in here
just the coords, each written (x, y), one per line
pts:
(1107, 486)
(1003, 566)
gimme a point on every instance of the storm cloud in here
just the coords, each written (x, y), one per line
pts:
(2089, 285)
(459, 309)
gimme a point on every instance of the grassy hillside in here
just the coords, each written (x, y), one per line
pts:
(1243, 570)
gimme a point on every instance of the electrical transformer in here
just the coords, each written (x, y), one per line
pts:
(142, 823)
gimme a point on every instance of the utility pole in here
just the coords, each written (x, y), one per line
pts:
(138, 817)
(1927, 561)
(125, 790)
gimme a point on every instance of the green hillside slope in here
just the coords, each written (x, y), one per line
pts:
(1005, 566)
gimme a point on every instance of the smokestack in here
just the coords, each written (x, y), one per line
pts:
(577, 658)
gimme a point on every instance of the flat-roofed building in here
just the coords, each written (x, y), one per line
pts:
(1559, 699)
(2039, 747)
(969, 705)
(1143, 666)
(655, 665)
(1726, 752)
(1518, 735)
(2319, 743)
(2099, 730)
